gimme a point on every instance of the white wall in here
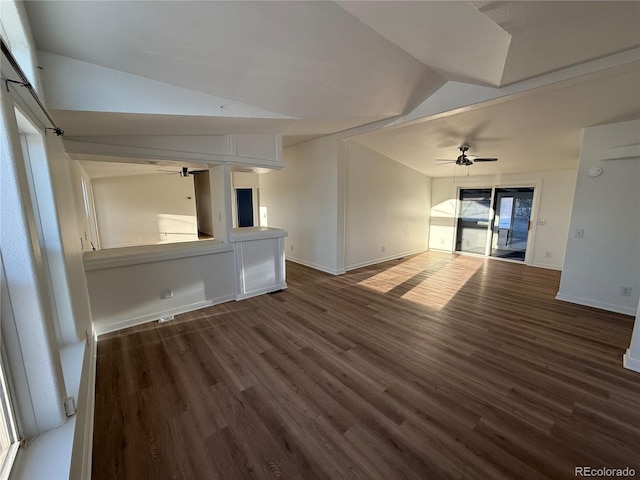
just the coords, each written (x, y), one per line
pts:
(606, 207)
(144, 209)
(303, 200)
(387, 208)
(128, 294)
(65, 177)
(554, 199)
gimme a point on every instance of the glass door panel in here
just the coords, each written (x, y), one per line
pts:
(512, 222)
(473, 220)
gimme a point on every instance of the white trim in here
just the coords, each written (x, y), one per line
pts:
(395, 256)
(279, 148)
(440, 250)
(596, 304)
(534, 183)
(132, 322)
(245, 234)
(78, 150)
(261, 291)
(630, 363)
(626, 152)
(315, 266)
(82, 453)
(9, 461)
(546, 266)
(120, 257)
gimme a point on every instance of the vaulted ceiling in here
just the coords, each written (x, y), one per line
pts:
(306, 69)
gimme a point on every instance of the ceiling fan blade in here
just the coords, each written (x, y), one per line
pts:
(485, 160)
(444, 160)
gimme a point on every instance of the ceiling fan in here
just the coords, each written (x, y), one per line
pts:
(467, 160)
(183, 172)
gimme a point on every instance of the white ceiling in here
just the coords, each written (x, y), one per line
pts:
(301, 59)
(333, 66)
(550, 35)
(454, 38)
(538, 130)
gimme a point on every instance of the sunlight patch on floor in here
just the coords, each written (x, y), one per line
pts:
(393, 277)
(437, 291)
(432, 286)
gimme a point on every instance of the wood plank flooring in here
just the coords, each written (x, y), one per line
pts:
(430, 367)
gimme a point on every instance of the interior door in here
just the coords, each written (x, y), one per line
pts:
(511, 223)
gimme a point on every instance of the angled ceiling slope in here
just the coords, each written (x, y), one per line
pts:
(454, 38)
(302, 68)
(300, 59)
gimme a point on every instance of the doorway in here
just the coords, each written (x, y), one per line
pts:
(494, 221)
(244, 198)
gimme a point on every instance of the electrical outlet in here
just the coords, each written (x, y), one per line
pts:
(166, 293)
(625, 291)
(291, 248)
(383, 248)
(547, 255)
(579, 233)
(542, 222)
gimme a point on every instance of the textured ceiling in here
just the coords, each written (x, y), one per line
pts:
(548, 35)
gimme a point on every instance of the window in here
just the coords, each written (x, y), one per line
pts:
(9, 439)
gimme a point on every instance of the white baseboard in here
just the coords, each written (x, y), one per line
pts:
(261, 291)
(596, 304)
(440, 250)
(546, 266)
(384, 259)
(315, 266)
(333, 271)
(132, 322)
(631, 363)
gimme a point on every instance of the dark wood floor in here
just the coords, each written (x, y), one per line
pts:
(435, 366)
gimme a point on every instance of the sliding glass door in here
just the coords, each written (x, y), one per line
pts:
(511, 223)
(473, 220)
(494, 221)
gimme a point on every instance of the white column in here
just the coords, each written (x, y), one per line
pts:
(220, 180)
(30, 339)
(632, 357)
